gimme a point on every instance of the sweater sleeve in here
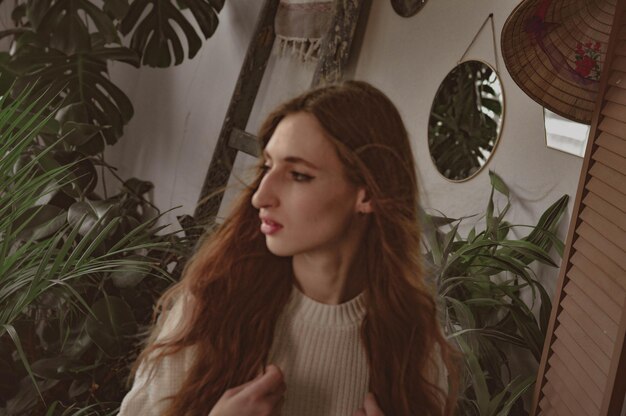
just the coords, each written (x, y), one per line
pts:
(156, 381)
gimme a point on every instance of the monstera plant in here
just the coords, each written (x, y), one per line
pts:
(485, 280)
(63, 47)
(80, 266)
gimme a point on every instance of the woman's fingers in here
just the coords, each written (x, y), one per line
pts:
(262, 395)
(371, 406)
(237, 389)
(271, 382)
(275, 400)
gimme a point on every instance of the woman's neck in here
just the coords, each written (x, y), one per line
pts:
(332, 278)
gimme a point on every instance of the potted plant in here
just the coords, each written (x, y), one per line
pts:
(77, 280)
(481, 280)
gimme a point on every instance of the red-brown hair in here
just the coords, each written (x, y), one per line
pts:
(237, 289)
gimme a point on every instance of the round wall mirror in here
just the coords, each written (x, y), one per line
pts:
(407, 8)
(465, 120)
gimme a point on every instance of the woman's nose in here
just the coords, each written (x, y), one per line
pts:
(265, 195)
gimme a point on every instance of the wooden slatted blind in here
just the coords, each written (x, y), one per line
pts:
(583, 367)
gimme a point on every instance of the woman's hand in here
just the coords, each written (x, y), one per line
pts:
(370, 407)
(261, 396)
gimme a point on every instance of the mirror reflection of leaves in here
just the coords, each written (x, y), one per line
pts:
(465, 120)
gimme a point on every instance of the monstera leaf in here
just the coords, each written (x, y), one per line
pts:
(64, 24)
(82, 79)
(154, 34)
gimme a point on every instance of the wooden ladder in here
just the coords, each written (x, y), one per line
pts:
(334, 54)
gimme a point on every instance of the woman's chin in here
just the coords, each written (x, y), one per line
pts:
(279, 249)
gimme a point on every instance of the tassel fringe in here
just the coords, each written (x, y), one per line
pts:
(305, 49)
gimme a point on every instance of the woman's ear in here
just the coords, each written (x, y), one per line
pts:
(363, 202)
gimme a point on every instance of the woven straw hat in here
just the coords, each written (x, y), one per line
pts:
(555, 51)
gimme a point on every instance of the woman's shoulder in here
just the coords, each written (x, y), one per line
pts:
(155, 382)
(160, 377)
(171, 319)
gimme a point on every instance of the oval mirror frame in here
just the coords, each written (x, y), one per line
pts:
(407, 8)
(450, 120)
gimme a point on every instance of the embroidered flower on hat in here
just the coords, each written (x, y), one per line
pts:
(587, 57)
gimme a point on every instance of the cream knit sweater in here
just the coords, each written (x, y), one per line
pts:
(317, 346)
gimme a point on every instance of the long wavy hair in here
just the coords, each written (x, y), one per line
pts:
(235, 289)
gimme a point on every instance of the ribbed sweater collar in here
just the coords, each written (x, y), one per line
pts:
(306, 309)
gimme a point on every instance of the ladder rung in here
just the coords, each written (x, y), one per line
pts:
(244, 142)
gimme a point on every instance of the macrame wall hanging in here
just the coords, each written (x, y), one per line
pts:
(300, 26)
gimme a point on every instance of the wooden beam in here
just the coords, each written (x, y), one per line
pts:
(336, 45)
(244, 142)
(237, 114)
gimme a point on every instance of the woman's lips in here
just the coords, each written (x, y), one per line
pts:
(269, 227)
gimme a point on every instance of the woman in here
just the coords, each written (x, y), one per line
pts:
(310, 298)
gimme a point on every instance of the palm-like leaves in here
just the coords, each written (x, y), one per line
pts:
(481, 279)
(65, 277)
(74, 266)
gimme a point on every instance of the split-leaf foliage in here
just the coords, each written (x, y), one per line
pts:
(80, 266)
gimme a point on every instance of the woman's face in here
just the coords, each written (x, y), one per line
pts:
(305, 202)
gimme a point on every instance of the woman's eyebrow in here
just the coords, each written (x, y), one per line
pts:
(295, 159)
(292, 159)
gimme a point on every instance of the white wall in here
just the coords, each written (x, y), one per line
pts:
(5, 23)
(179, 111)
(408, 59)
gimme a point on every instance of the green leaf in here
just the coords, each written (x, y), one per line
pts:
(138, 187)
(9, 329)
(529, 252)
(530, 332)
(498, 183)
(112, 324)
(155, 34)
(479, 381)
(131, 272)
(65, 25)
(431, 233)
(448, 240)
(91, 214)
(53, 368)
(52, 409)
(471, 235)
(516, 388)
(545, 310)
(40, 222)
(84, 79)
(79, 133)
(116, 8)
(542, 234)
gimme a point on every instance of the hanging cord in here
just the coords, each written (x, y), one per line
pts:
(493, 33)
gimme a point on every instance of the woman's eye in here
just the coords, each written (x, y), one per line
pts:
(300, 177)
